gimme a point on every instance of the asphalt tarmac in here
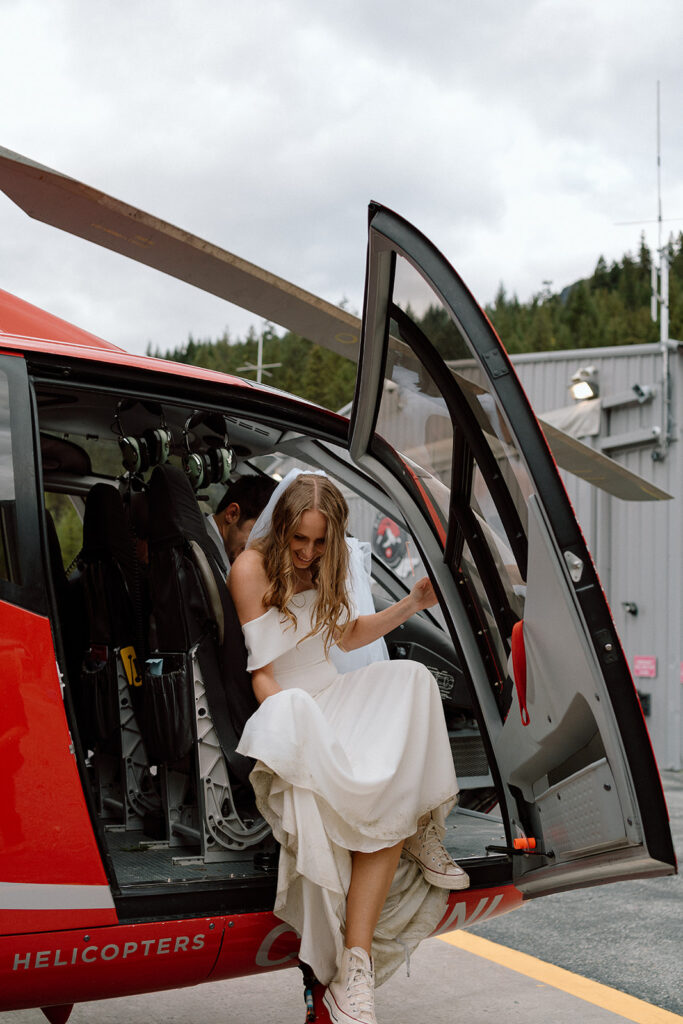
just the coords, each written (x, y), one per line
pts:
(628, 935)
(595, 956)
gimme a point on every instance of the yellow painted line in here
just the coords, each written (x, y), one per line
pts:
(608, 998)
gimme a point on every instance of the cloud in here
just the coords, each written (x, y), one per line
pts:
(514, 135)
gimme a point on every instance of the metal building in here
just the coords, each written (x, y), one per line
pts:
(637, 545)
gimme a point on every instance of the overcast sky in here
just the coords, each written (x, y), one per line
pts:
(517, 134)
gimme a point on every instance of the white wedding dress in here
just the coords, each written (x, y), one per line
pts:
(345, 762)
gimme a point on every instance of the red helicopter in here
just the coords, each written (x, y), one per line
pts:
(132, 858)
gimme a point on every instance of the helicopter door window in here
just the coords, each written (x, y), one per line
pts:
(414, 419)
(457, 443)
(418, 313)
(9, 566)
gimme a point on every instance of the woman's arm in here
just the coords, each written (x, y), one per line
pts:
(367, 628)
(247, 583)
(263, 683)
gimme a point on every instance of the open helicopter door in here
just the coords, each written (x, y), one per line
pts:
(441, 421)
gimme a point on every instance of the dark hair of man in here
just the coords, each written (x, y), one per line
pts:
(250, 492)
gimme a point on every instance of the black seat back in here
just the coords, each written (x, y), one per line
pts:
(113, 593)
(192, 606)
(109, 568)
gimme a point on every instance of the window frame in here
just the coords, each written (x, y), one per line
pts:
(29, 590)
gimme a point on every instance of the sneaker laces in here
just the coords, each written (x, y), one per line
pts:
(432, 848)
(360, 987)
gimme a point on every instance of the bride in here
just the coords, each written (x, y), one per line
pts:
(352, 769)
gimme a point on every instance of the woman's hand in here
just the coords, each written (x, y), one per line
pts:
(422, 595)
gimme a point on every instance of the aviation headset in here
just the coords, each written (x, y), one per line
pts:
(151, 448)
(213, 466)
(140, 451)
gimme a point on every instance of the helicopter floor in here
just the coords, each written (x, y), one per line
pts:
(139, 860)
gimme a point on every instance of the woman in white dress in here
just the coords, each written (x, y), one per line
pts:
(352, 769)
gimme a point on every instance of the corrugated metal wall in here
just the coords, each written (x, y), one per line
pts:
(637, 546)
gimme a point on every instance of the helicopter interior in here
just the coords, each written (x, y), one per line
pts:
(145, 631)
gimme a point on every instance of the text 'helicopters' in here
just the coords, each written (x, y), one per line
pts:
(132, 857)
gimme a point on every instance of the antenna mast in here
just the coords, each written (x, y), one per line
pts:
(659, 175)
(660, 302)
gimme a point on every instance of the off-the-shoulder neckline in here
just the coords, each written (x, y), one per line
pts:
(302, 593)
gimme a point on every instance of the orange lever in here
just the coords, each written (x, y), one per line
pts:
(524, 844)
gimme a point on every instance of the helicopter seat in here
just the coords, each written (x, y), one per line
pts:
(112, 585)
(197, 691)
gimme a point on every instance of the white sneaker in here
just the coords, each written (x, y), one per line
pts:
(431, 856)
(350, 998)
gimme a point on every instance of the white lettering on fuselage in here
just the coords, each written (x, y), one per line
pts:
(112, 951)
(263, 958)
(459, 917)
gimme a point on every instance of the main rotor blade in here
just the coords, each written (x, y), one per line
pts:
(65, 203)
(598, 469)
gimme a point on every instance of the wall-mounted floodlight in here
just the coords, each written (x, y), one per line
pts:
(584, 384)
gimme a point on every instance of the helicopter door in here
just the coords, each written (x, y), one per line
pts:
(441, 420)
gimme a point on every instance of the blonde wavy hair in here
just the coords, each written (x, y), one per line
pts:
(332, 610)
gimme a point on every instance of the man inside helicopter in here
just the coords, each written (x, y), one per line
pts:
(230, 525)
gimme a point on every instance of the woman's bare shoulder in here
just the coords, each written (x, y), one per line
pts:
(248, 583)
(249, 562)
